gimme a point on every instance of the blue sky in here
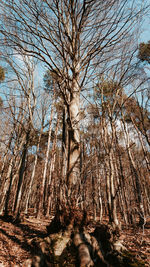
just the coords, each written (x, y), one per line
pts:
(145, 33)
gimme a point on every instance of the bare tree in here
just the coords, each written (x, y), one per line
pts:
(75, 39)
(71, 37)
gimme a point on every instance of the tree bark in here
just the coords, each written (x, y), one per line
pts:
(8, 181)
(73, 173)
(51, 169)
(136, 176)
(33, 174)
(41, 199)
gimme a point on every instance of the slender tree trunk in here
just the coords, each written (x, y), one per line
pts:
(73, 174)
(52, 165)
(33, 174)
(142, 145)
(8, 180)
(41, 199)
(136, 176)
(110, 174)
(112, 188)
(64, 147)
(5, 157)
(21, 175)
(63, 167)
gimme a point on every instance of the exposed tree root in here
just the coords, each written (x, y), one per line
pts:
(74, 246)
(83, 250)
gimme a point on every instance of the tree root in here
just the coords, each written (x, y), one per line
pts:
(74, 246)
(83, 251)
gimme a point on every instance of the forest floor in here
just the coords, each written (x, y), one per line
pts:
(15, 239)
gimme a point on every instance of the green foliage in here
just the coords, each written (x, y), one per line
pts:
(138, 113)
(108, 88)
(48, 81)
(1, 102)
(144, 52)
(2, 74)
(108, 92)
(51, 79)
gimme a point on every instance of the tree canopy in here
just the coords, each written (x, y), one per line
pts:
(144, 52)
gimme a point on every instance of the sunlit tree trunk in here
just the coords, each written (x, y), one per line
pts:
(41, 199)
(64, 146)
(136, 176)
(51, 169)
(20, 178)
(113, 191)
(33, 173)
(142, 145)
(8, 180)
(110, 173)
(73, 172)
(6, 157)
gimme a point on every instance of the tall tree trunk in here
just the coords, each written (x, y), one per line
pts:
(142, 145)
(73, 174)
(136, 176)
(33, 173)
(64, 156)
(21, 175)
(113, 191)
(8, 180)
(51, 170)
(6, 156)
(110, 173)
(64, 147)
(40, 206)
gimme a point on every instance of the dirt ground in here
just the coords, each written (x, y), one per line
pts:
(15, 242)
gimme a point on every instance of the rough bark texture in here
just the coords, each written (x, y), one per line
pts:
(74, 146)
(68, 232)
(101, 248)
